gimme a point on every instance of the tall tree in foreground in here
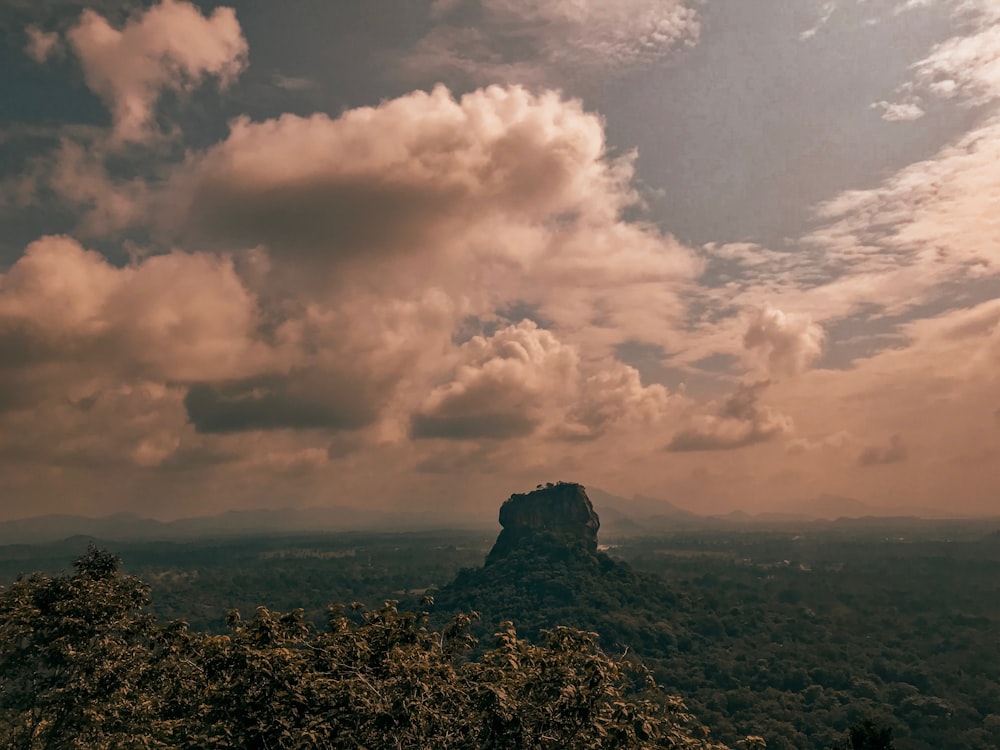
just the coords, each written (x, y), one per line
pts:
(74, 652)
(83, 666)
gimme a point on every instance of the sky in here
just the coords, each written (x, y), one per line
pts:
(417, 255)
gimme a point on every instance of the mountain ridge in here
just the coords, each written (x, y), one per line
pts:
(620, 516)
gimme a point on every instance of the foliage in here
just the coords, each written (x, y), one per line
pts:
(74, 657)
(82, 665)
(790, 633)
(867, 735)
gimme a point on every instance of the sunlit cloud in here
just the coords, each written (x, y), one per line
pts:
(476, 283)
(529, 41)
(171, 46)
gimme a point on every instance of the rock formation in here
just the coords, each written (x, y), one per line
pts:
(559, 512)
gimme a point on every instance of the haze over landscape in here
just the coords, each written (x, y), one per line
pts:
(417, 256)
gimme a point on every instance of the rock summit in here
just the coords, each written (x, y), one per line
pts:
(559, 512)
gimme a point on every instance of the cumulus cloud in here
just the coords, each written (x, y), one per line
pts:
(523, 380)
(498, 196)
(515, 199)
(502, 386)
(740, 421)
(172, 317)
(529, 40)
(182, 343)
(136, 424)
(784, 344)
(394, 177)
(75, 172)
(611, 396)
(836, 441)
(169, 47)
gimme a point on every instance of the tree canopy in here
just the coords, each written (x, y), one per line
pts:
(83, 665)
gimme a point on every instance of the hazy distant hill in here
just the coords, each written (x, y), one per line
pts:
(130, 527)
(619, 515)
(641, 513)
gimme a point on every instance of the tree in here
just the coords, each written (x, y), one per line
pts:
(567, 693)
(73, 653)
(867, 735)
(83, 666)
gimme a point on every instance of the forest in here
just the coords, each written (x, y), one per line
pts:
(793, 634)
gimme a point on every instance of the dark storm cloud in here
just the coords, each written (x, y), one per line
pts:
(272, 403)
(328, 215)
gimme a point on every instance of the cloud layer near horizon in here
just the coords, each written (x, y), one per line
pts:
(469, 288)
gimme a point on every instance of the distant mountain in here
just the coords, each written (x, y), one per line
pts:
(835, 506)
(55, 527)
(640, 513)
(130, 527)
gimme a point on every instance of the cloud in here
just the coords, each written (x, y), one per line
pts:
(785, 344)
(169, 47)
(172, 317)
(299, 401)
(133, 425)
(41, 44)
(79, 176)
(181, 342)
(899, 111)
(76, 174)
(340, 257)
(926, 235)
(880, 455)
(612, 396)
(327, 186)
(966, 67)
(523, 380)
(934, 388)
(930, 223)
(836, 441)
(501, 195)
(739, 422)
(529, 41)
(501, 388)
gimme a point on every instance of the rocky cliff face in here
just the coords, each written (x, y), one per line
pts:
(557, 512)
